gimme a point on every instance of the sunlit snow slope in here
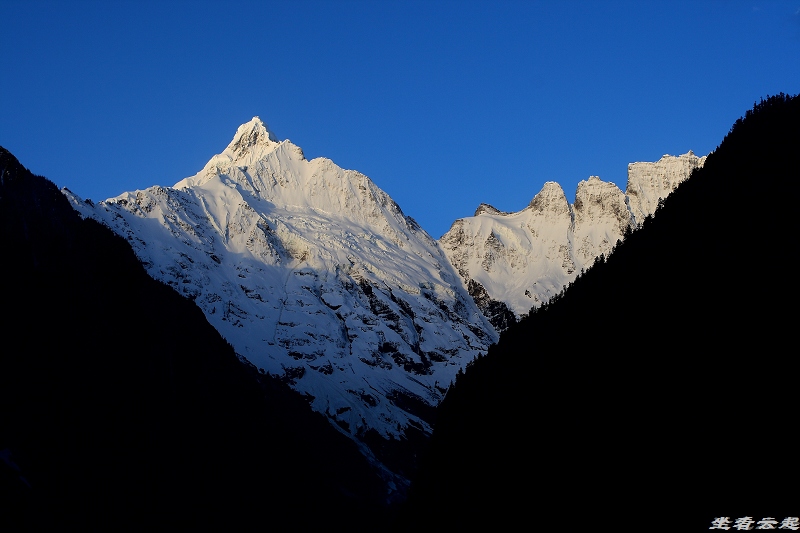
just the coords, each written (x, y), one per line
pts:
(312, 273)
(522, 259)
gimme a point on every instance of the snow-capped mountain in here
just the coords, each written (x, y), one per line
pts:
(314, 274)
(514, 261)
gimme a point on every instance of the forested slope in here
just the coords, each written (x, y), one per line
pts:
(662, 383)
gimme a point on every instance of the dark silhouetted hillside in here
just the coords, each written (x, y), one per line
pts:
(661, 389)
(122, 408)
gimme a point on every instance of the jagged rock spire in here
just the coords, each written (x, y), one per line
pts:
(251, 134)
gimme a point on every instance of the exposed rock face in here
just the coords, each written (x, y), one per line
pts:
(486, 208)
(498, 313)
(313, 274)
(522, 259)
(601, 217)
(648, 182)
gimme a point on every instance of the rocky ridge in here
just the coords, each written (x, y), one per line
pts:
(512, 262)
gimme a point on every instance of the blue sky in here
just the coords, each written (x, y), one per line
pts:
(443, 104)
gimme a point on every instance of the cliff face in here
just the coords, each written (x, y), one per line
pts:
(601, 217)
(648, 182)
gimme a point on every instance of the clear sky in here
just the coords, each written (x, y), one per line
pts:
(443, 104)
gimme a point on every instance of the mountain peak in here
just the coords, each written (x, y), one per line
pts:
(550, 197)
(486, 208)
(251, 134)
(594, 185)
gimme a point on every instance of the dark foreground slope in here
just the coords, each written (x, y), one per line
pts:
(661, 390)
(121, 407)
